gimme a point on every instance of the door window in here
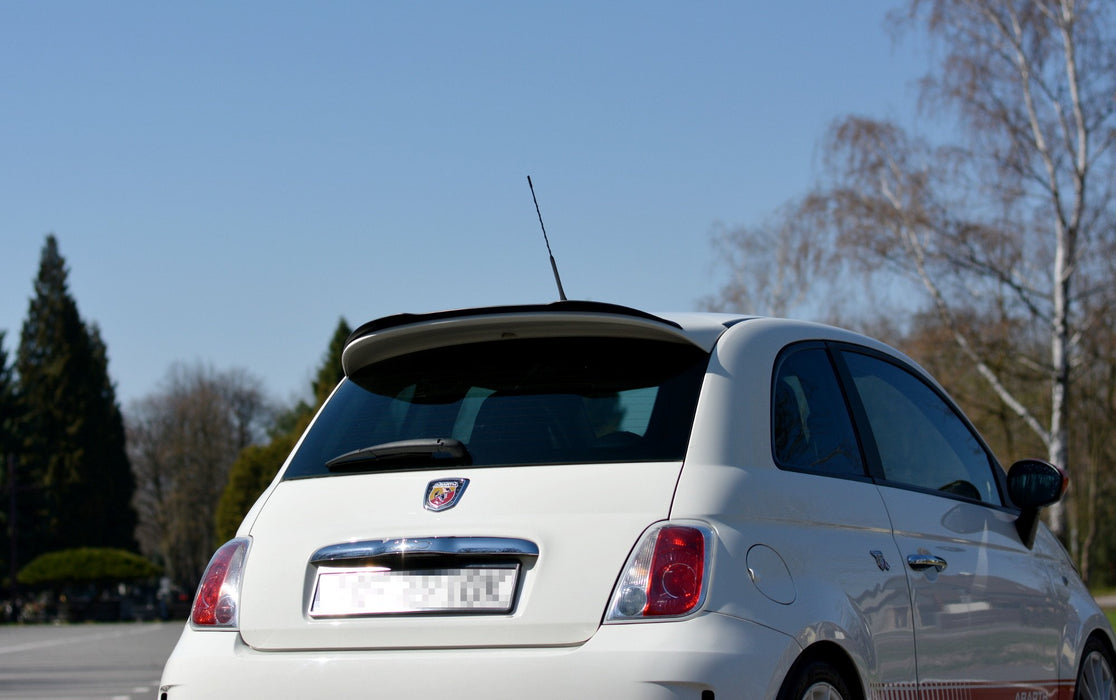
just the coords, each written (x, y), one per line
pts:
(921, 439)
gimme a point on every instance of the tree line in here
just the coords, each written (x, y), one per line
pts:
(203, 448)
(987, 254)
(170, 478)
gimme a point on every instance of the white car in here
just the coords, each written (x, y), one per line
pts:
(581, 500)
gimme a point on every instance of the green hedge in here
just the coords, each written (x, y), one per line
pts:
(86, 565)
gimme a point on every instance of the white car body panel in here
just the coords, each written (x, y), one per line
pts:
(993, 612)
(584, 518)
(804, 564)
(823, 529)
(840, 594)
(667, 661)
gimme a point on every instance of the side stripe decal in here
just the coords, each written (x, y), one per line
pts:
(974, 690)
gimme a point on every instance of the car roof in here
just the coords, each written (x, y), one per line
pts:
(404, 333)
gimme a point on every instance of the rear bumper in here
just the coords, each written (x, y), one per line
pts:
(660, 661)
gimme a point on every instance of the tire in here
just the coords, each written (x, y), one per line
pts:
(1094, 676)
(815, 680)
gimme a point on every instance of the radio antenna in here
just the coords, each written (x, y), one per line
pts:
(553, 265)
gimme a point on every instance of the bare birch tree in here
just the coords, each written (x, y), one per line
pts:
(774, 268)
(1014, 223)
(182, 441)
(1019, 216)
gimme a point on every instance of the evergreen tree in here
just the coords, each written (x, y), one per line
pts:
(8, 412)
(8, 407)
(113, 517)
(74, 479)
(330, 372)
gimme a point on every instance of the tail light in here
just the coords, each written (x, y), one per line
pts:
(666, 575)
(217, 603)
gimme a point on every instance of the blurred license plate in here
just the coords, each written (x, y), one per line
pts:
(378, 591)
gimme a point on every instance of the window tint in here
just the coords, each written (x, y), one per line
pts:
(531, 401)
(811, 427)
(921, 439)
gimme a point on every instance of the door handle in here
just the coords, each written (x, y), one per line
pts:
(921, 562)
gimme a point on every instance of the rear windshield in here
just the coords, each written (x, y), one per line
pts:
(516, 402)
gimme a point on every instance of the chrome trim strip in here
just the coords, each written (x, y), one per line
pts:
(370, 550)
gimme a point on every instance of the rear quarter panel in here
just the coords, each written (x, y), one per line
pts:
(824, 530)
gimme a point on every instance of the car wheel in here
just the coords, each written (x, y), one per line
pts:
(815, 680)
(1094, 678)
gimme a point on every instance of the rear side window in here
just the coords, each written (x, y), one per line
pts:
(811, 427)
(530, 401)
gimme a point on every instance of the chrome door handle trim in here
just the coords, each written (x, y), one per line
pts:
(921, 562)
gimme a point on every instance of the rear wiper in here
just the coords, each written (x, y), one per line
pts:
(421, 452)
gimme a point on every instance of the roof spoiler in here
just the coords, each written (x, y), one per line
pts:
(575, 306)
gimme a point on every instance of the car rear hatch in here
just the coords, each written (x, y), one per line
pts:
(475, 481)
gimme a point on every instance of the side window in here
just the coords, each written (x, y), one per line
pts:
(921, 439)
(811, 428)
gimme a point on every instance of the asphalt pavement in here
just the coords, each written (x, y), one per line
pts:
(84, 662)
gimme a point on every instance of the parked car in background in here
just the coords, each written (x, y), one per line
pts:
(580, 500)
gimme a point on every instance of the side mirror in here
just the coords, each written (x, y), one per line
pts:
(1032, 484)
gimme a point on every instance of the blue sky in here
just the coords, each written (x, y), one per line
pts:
(228, 179)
